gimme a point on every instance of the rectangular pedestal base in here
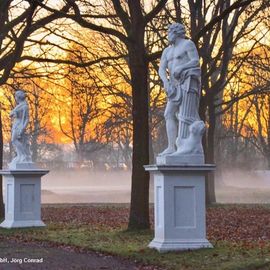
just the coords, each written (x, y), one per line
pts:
(22, 197)
(179, 207)
(166, 246)
(22, 224)
(181, 159)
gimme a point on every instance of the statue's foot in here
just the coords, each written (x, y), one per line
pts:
(184, 151)
(179, 152)
(167, 151)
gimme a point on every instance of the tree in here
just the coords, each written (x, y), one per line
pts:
(217, 40)
(132, 19)
(230, 146)
(126, 22)
(1, 166)
(258, 123)
(82, 122)
(16, 25)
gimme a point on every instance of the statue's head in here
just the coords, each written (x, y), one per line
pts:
(20, 95)
(176, 30)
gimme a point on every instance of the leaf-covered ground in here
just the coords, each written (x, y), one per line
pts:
(240, 234)
(248, 224)
(231, 223)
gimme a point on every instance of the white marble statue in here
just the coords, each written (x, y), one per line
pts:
(22, 180)
(180, 60)
(19, 138)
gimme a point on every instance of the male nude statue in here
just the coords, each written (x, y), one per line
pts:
(181, 60)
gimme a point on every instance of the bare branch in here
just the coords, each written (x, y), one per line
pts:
(148, 17)
(215, 20)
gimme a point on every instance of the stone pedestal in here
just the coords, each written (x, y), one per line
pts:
(179, 206)
(22, 198)
(181, 159)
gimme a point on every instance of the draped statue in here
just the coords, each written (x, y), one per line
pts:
(19, 137)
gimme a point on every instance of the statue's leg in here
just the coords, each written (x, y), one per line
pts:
(18, 149)
(20, 152)
(188, 113)
(26, 149)
(171, 126)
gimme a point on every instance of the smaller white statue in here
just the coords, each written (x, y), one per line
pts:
(19, 138)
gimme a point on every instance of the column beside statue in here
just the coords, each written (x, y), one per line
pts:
(180, 170)
(22, 178)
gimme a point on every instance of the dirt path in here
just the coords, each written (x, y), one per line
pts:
(14, 256)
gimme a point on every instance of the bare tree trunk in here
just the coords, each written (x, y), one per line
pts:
(150, 117)
(208, 145)
(139, 208)
(34, 147)
(210, 179)
(2, 212)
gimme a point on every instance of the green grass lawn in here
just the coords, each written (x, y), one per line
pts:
(133, 244)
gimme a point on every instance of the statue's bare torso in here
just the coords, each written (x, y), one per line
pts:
(179, 71)
(177, 56)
